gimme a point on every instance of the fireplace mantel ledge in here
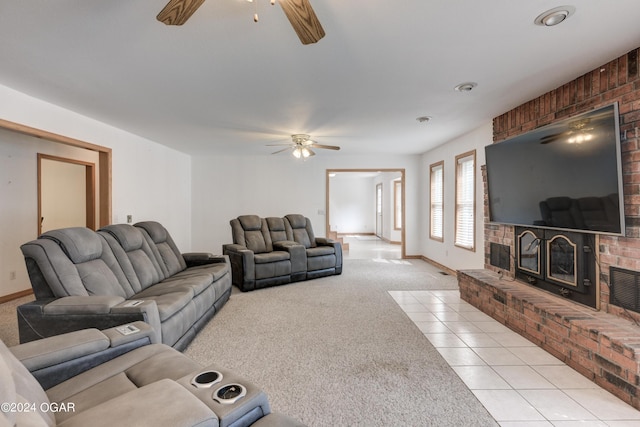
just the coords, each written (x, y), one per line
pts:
(603, 347)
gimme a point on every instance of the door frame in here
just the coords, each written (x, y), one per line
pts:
(402, 172)
(104, 163)
(90, 188)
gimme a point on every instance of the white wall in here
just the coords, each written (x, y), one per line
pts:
(150, 181)
(227, 186)
(446, 253)
(352, 203)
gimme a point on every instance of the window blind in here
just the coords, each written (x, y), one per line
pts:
(465, 201)
(437, 202)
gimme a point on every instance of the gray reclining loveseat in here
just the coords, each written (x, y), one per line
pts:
(274, 251)
(122, 273)
(120, 377)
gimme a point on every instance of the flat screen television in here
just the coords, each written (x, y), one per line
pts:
(565, 175)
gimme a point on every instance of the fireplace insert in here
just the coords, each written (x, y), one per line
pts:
(561, 262)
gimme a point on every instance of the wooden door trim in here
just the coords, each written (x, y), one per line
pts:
(90, 188)
(104, 162)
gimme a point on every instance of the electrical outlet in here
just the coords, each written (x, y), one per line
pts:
(12, 275)
(129, 219)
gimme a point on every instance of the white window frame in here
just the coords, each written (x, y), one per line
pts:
(465, 214)
(397, 204)
(436, 201)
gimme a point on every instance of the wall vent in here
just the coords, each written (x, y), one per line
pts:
(625, 288)
(500, 256)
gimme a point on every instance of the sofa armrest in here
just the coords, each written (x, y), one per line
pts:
(55, 359)
(243, 268)
(50, 351)
(297, 254)
(45, 318)
(159, 404)
(337, 246)
(202, 258)
(97, 304)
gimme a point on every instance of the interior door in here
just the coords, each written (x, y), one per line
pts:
(379, 210)
(66, 193)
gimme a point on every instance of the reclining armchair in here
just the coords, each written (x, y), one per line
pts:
(122, 377)
(324, 256)
(257, 261)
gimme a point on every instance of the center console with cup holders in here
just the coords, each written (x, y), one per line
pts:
(233, 399)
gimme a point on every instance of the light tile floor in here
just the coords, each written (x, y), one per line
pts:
(520, 384)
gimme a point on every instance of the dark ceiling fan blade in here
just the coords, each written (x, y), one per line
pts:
(328, 147)
(303, 20)
(280, 151)
(176, 12)
(554, 137)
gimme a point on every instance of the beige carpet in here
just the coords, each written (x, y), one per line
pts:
(338, 351)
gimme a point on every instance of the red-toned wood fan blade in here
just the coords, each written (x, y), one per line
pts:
(176, 12)
(303, 20)
(328, 147)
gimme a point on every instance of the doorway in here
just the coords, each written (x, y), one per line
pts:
(66, 193)
(364, 217)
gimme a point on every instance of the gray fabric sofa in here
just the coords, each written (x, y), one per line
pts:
(274, 251)
(119, 274)
(117, 377)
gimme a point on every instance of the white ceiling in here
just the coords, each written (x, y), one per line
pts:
(224, 84)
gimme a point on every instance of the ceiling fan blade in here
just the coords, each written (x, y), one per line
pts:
(280, 144)
(328, 147)
(176, 12)
(280, 151)
(303, 20)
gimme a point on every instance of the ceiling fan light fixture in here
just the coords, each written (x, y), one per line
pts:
(554, 16)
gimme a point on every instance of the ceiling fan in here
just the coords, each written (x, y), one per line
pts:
(299, 12)
(301, 146)
(577, 132)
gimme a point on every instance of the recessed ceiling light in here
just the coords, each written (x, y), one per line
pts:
(423, 119)
(554, 16)
(465, 87)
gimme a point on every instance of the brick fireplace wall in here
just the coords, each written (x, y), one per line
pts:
(603, 345)
(618, 80)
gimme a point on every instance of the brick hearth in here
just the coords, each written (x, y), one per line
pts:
(601, 346)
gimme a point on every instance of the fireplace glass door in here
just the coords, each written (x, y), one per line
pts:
(529, 252)
(558, 261)
(562, 260)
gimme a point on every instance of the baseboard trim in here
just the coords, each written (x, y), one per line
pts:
(444, 268)
(16, 295)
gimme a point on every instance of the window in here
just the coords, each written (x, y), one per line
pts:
(465, 200)
(397, 205)
(436, 228)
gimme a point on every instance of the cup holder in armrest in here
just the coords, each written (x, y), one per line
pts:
(229, 394)
(206, 379)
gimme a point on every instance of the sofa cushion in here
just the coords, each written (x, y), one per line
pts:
(169, 257)
(81, 244)
(277, 229)
(299, 230)
(93, 263)
(140, 259)
(271, 257)
(169, 301)
(251, 231)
